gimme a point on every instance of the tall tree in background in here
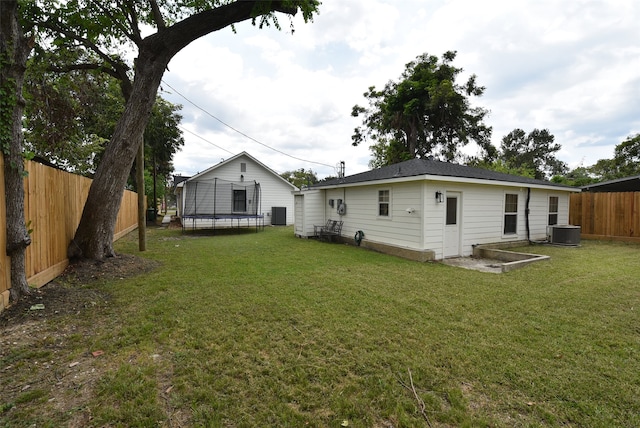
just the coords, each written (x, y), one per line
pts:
(14, 50)
(625, 163)
(300, 177)
(534, 151)
(603, 170)
(627, 157)
(107, 30)
(162, 139)
(424, 114)
(580, 176)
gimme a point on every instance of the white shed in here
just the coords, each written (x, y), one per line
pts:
(430, 210)
(274, 203)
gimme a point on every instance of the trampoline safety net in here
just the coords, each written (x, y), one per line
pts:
(222, 199)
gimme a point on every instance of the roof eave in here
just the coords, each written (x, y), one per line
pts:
(443, 178)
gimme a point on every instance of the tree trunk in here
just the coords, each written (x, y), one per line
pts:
(14, 50)
(94, 236)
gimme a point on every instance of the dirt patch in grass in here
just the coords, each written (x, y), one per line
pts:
(69, 293)
(48, 371)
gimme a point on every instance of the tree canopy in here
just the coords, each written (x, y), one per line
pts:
(162, 139)
(425, 113)
(300, 177)
(534, 151)
(69, 117)
(626, 157)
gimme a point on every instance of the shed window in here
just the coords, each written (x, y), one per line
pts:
(510, 213)
(553, 210)
(239, 201)
(383, 203)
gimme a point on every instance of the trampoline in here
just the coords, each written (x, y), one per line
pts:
(211, 203)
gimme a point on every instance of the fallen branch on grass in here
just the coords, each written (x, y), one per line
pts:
(421, 405)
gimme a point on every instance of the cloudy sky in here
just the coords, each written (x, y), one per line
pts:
(570, 66)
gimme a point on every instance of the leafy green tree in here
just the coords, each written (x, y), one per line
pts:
(107, 31)
(604, 169)
(627, 157)
(15, 48)
(580, 176)
(162, 139)
(328, 178)
(300, 177)
(423, 114)
(69, 117)
(534, 151)
(499, 165)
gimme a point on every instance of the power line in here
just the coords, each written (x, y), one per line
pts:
(239, 132)
(205, 140)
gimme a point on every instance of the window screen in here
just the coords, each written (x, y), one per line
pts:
(553, 210)
(383, 203)
(510, 214)
(239, 200)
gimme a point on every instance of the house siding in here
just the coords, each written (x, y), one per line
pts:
(399, 229)
(481, 218)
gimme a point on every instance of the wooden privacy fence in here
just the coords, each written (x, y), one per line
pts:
(601, 215)
(54, 200)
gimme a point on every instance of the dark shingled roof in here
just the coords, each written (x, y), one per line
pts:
(627, 184)
(421, 167)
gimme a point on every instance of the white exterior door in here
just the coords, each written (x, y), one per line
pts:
(452, 225)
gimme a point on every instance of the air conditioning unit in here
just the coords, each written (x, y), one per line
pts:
(565, 235)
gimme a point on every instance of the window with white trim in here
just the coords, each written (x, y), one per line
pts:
(384, 199)
(510, 213)
(553, 210)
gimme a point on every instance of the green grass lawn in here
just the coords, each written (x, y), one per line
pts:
(264, 329)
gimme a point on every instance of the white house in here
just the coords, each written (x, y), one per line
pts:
(238, 188)
(429, 210)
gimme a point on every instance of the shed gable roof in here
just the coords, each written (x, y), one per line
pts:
(236, 157)
(426, 167)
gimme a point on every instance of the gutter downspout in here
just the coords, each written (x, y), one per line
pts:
(526, 215)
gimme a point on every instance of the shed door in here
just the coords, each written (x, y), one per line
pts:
(452, 225)
(298, 215)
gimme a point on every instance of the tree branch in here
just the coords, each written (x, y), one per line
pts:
(135, 36)
(133, 22)
(119, 68)
(195, 26)
(157, 15)
(420, 401)
(83, 66)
